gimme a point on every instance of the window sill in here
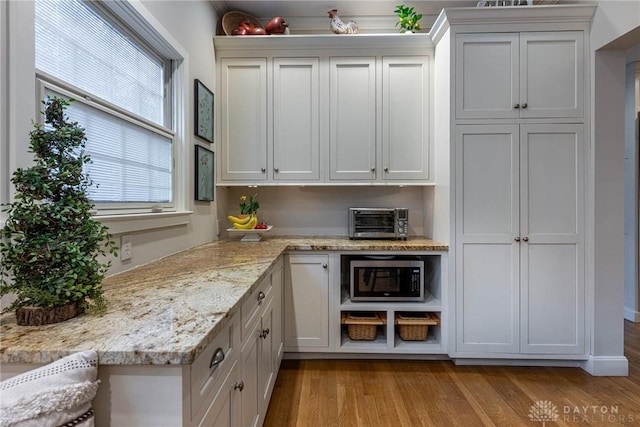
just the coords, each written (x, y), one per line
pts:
(127, 223)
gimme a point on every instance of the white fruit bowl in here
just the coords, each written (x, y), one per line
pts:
(252, 235)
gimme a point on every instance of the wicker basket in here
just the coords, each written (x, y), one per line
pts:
(415, 326)
(231, 20)
(362, 326)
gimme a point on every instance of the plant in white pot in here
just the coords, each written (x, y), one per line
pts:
(50, 243)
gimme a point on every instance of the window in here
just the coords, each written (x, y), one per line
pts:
(123, 101)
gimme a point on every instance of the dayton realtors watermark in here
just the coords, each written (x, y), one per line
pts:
(545, 411)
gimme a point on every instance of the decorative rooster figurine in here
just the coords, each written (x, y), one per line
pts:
(339, 27)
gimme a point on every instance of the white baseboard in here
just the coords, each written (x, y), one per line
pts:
(632, 315)
(607, 366)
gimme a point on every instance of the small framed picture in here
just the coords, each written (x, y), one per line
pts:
(204, 174)
(203, 111)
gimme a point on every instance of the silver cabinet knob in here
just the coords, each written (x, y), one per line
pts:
(324, 266)
(263, 170)
(261, 296)
(386, 169)
(373, 169)
(516, 106)
(276, 170)
(525, 239)
(264, 333)
(238, 386)
(524, 105)
(517, 239)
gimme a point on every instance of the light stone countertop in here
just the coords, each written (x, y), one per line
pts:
(168, 311)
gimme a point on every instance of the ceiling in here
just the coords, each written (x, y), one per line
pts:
(310, 16)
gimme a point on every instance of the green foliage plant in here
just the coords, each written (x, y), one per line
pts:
(407, 18)
(50, 244)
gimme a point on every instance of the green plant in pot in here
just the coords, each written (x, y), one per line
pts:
(50, 243)
(407, 19)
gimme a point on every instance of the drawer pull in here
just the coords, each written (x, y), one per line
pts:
(217, 358)
(238, 386)
(264, 333)
(261, 296)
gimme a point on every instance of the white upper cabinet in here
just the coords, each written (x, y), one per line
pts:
(352, 123)
(316, 110)
(405, 118)
(243, 119)
(296, 155)
(520, 75)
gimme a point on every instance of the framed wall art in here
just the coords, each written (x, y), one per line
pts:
(203, 111)
(204, 174)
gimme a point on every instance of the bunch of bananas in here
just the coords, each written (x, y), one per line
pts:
(247, 223)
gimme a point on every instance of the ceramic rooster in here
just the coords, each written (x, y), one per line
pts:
(339, 27)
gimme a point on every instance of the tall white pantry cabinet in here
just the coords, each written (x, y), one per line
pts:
(517, 160)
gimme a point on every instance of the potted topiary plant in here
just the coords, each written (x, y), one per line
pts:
(50, 243)
(407, 19)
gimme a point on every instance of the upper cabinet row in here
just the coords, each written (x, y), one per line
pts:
(323, 118)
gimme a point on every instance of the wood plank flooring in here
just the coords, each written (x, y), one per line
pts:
(363, 393)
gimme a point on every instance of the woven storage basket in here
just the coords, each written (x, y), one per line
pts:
(415, 326)
(362, 326)
(231, 20)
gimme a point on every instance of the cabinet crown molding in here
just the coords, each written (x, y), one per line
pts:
(514, 15)
(323, 41)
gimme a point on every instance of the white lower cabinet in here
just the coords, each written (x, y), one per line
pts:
(261, 348)
(519, 215)
(225, 409)
(306, 303)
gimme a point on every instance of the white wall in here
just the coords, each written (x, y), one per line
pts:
(612, 20)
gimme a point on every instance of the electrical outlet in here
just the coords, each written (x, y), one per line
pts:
(126, 248)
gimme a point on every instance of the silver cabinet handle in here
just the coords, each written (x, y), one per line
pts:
(238, 386)
(264, 333)
(525, 239)
(517, 239)
(261, 296)
(216, 359)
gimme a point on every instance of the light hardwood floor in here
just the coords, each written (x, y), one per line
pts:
(361, 393)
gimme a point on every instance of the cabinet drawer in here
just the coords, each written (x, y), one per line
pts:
(252, 307)
(212, 366)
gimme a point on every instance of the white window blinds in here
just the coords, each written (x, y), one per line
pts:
(96, 61)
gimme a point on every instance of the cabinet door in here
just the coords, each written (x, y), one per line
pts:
(306, 302)
(486, 76)
(352, 118)
(267, 360)
(295, 119)
(552, 247)
(278, 325)
(225, 408)
(405, 122)
(552, 74)
(251, 378)
(243, 119)
(487, 269)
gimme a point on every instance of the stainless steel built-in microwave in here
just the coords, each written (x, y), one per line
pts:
(378, 223)
(386, 279)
